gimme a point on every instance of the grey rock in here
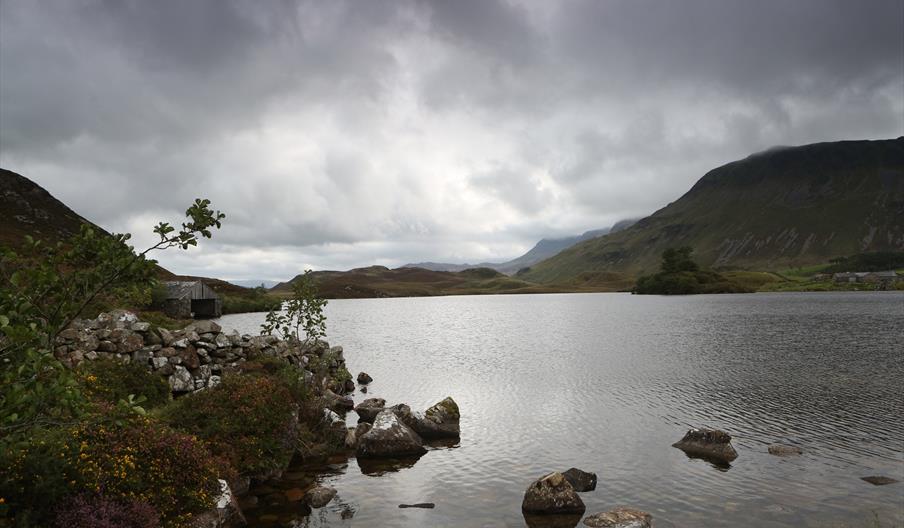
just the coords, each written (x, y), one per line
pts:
(204, 327)
(181, 380)
(140, 326)
(165, 336)
(369, 409)
(580, 480)
(708, 443)
(222, 341)
(552, 494)
(106, 346)
(180, 343)
(439, 421)
(130, 343)
(213, 381)
(620, 518)
(159, 362)
(319, 496)
(141, 357)
(389, 437)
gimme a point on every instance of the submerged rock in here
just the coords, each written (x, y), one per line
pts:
(427, 505)
(784, 450)
(580, 480)
(620, 518)
(708, 443)
(319, 496)
(551, 494)
(364, 378)
(369, 409)
(878, 480)
(389, 437)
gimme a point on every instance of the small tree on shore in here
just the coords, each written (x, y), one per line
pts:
(44, 288)
(302, 316)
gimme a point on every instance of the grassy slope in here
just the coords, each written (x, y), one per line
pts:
(780, 209)
(379, 281)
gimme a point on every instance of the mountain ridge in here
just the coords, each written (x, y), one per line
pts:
(779, 208)
(545, 248)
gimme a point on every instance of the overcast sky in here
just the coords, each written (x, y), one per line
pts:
(341, 134)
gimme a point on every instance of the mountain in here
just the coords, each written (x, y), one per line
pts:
(27, 209)
(544, 249)
(254, 283)
(380, 281)
(785, 207)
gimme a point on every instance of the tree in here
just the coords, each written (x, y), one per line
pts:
(303, 313)
(675, 260)
(44, 288)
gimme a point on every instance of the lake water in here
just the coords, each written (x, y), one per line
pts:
(607, 382)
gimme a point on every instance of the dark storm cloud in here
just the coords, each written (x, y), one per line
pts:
(346, 133)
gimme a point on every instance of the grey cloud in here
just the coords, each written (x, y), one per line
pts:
(344, 133)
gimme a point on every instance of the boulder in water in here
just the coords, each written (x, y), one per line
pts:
(708, 443)
(389, 437)
(580, 480)
(620, 518)
(364, 378)
(369, 409)
(551, 494)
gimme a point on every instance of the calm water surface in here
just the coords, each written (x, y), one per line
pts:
(607, 382)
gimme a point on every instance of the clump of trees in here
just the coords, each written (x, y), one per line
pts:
(679, 274)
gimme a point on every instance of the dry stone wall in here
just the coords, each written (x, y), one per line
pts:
(193, 358)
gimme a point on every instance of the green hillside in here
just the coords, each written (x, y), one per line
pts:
(783, 208)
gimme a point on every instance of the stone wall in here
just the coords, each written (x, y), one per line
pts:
(193, 358)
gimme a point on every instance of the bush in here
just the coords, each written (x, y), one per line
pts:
(130, 460)
(111, 381)
(86, 511)
(250, 420)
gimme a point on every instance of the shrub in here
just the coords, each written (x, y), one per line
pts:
(87, 511)
(112, 381)
(131, 460)
(250, 420)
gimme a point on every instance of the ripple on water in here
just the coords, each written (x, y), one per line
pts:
(607, 382)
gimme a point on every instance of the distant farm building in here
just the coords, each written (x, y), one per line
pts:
(884, 278)
(191, 299)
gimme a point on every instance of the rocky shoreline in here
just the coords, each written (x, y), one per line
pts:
(198, 357)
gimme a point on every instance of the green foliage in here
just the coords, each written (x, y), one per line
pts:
(246, 419)
(878, 261)
(113, 381)
(303, 313)
(676, 260)
(132, 459)
(256, 300)
(680, 275)
(44, 288)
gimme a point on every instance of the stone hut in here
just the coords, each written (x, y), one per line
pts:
(191, 299)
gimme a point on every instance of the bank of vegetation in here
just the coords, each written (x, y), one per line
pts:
(104, 443)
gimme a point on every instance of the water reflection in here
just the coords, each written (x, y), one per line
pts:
(608, 382)
(551, 521)
(376, 467)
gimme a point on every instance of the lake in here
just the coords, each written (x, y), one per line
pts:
(607, 382)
